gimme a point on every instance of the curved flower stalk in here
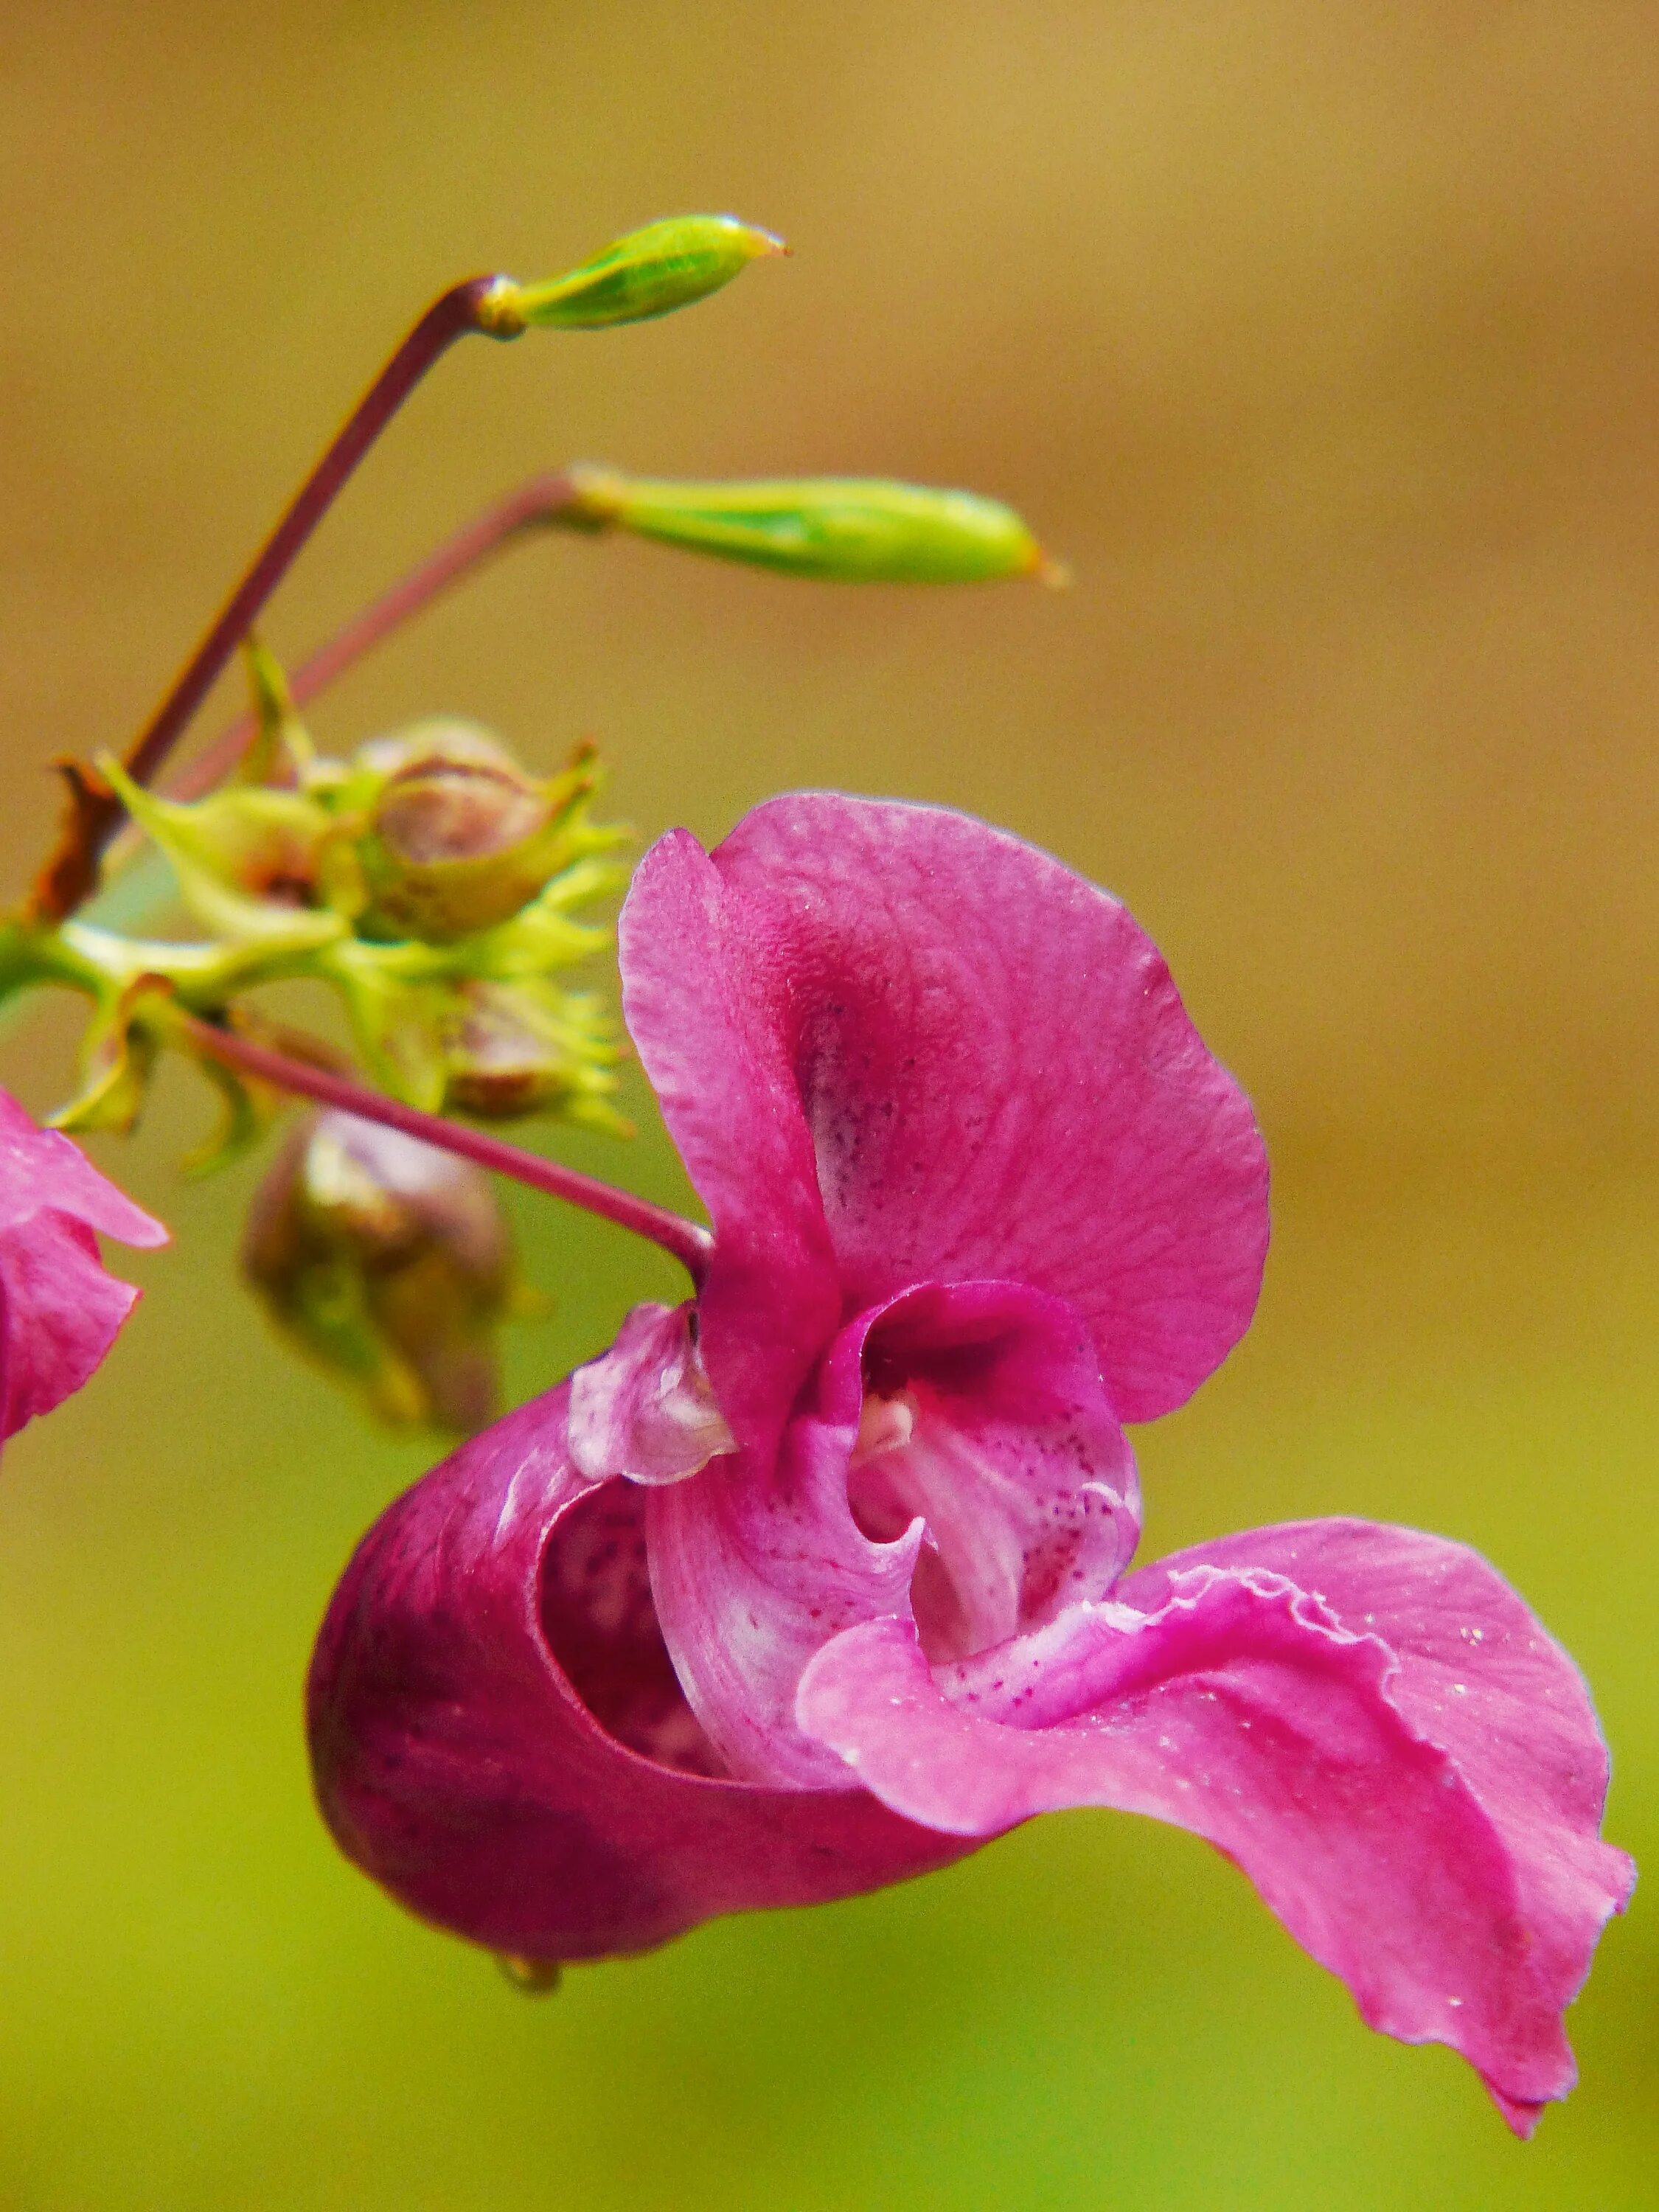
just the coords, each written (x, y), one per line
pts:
(60, 1309)
(825, 1578)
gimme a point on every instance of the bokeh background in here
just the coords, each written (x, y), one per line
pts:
(1324, 342)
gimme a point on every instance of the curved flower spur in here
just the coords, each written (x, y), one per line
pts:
(821, 1580)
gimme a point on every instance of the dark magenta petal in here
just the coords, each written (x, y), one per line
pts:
(1459, 1893)
(456, 1762)
(959, 1455)
(59, 1309)
(966, 1060)
(646, 1409)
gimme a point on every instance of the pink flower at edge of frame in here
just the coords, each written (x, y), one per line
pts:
(62, 1309)
(979, 1193)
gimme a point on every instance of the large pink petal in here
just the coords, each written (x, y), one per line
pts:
(980, 1055)
(1480, 1677)
(498, 1737)
(959, 1458)
(696, 993)
(1243, 1709)
(59, 1309)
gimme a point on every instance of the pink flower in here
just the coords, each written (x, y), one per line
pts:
(823, 1581)
(61, 1311)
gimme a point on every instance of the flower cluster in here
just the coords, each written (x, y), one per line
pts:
(825, 1578)
(429, 880)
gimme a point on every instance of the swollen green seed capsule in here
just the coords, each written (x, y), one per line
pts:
(458, 836)
(848, 529)
(389, 1264)
(650, 272)
(524, 1047)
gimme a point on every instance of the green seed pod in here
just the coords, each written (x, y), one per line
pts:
(458, 837)
(388, 1263)
(527, 1047)
(861, 530)
(652, 271)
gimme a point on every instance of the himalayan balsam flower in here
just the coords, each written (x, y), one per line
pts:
(824, 1581)
(60, 1310)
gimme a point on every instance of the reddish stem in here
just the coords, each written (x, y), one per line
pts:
(71, 872)
(685, 1241)
(452, 317)
(535, 505)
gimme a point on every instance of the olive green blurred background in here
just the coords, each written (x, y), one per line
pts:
(1323, 341)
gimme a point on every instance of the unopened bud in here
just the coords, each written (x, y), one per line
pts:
(648, 272)
(860, 529)
(388, 1262)
(459, 836)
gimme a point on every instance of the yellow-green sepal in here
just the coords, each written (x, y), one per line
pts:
(119, 1053)
(248, 1108)
(397, 1018)
(542, 936)
(449, 837)
(247, 861)
(282, 751)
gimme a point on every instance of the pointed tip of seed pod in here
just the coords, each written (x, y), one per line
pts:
(1050, 571)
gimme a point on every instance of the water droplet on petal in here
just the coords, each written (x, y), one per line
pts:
(533, 1978)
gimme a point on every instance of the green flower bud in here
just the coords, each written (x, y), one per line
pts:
(849, 529)
(517, 1048)
(652, 271)
(389, 1264)
(458, 837)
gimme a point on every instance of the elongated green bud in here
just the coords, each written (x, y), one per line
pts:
(861, 530)
(650, 272)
